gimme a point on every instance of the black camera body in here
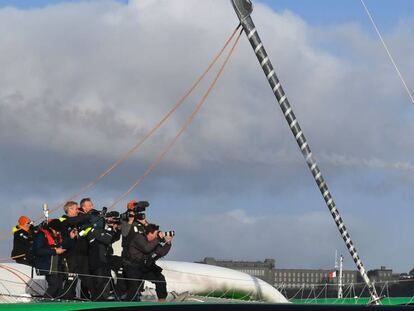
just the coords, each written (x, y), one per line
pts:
(139, 207)
(138, 212)
(170, 233)
(112, 218)
(100, 218)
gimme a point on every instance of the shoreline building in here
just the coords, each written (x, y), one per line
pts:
(263, 270)
(292, 280)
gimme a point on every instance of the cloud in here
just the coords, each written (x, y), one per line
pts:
(307, 240)
(84, 81)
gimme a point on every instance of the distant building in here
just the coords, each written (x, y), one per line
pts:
(294, 279)
(308, 278)
(261, 269)
(382, 275)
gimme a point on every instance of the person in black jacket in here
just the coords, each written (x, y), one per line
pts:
(71, 221)
(140, 262)
(132, 223)
(100, 239)
(23, 241)
(82, 249)
(47, 246)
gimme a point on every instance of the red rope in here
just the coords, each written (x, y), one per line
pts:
(137, 146)
(161, 156)
(149, 134)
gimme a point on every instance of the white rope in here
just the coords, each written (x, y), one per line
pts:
(388, 51)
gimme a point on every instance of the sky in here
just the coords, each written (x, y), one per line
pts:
(83, 81)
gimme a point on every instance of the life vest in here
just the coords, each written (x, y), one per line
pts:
(15, 229)
(52, 241)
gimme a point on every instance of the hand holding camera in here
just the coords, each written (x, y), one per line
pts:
(73, 233)
(59, 250)
(161, 235)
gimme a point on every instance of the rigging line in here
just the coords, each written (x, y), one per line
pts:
(149, 134)
(155, 163)
(388, 51)
(18, 276)
(24, 274)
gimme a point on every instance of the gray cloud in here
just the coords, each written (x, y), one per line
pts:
(82, 82)
(312, 238)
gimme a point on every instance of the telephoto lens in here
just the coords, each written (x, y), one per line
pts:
(169, 233)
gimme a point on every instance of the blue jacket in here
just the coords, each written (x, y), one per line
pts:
(45, 258)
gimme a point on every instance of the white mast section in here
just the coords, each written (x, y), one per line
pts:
(340, 283)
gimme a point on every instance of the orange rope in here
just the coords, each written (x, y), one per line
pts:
(149, 134)
(155, 163)
(141, 142)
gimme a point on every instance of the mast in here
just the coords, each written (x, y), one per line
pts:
(243, 9)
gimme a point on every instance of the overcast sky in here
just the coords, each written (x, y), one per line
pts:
(81, 82)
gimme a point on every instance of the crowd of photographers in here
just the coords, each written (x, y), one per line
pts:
(74, 252)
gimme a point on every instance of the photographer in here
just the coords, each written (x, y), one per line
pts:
(71, 221)
(47, 246)
(143, 252)
(106, 231)
(133, 219)
(133, 222)
(86, 208)
(23, 241)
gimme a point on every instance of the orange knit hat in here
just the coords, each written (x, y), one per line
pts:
(131, 204)
(23, 220)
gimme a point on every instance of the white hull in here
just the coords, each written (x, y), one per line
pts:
(17, 285)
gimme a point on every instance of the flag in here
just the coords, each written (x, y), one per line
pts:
(332, 275)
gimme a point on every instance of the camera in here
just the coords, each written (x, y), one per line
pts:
(100, 218)
(139, 207)
(112, 218)
(169, 233)
(137, 212)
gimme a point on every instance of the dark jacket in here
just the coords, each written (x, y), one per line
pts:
(45, 258)
(22, 245)
(128, 233)
(73, 247)
(100, 247)
(82, 244)
(144, 253)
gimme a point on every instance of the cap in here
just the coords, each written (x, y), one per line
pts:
(23, 220)
(131, 204)
(55, 224)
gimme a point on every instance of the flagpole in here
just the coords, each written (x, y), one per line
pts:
(340, 295)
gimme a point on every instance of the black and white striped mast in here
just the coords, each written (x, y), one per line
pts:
(243, 10)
